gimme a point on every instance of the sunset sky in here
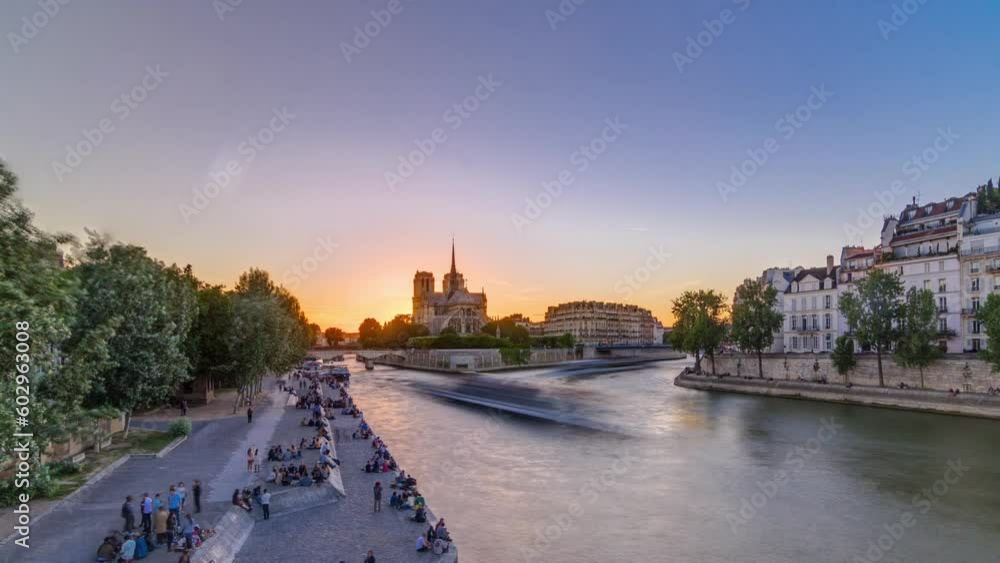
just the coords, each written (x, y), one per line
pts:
(651, 197)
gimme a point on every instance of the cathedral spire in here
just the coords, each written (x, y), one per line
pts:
(453, 269)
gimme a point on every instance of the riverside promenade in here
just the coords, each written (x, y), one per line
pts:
(940, 402)
(346, 530)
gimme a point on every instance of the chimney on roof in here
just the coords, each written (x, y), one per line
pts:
(829, 264)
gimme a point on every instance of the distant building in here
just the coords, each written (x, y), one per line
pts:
(980, 263)
(454, 307)
(534, 329)
(597, 322)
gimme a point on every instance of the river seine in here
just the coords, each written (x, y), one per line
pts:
(688, 476)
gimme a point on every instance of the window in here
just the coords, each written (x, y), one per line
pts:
(975, 304)
(814, 302)
(829, 341)
(827, 321)
(974, 267)
(942, 285)
(942, 304)
(828, 302)
(815, 343)
(803, 303)
(794, 305)
(927, 267)
(795, 322)
(974, 285)
(927, 284)
(942, 325)
(795, 343)
(815, 322)
(941, 265)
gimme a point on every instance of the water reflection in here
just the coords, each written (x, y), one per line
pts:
(503, 483)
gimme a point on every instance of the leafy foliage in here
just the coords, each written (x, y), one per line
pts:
(843, 354)
(917, 346)
(334, 336)
(699, 324)
(989, 316)
(180, 427)
(873, 310)
(755, 318)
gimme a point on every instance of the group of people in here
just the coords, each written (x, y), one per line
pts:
(953, 392)
(277, 453)
(161, 523)
(405, 495)
(436, 539)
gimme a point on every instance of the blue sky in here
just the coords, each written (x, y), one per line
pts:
(655, 185)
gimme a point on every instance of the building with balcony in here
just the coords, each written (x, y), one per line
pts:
(922, 247)
(812, 321)
(979, 256)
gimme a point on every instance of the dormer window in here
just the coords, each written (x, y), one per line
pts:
(950, 204)
(913, 214)
(928, 208)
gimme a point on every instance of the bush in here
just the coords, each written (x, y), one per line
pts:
(64, 467)
(179, 427)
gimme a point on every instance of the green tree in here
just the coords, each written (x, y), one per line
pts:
(699, 324)
(397, 332)
(38, 298)
(334, 336)
(507, 328)
(843, 355)
(873, 310)
(756, 318)
(210, 353)
(989, 316)
(152, 308)
(916, 346)
(370, 333)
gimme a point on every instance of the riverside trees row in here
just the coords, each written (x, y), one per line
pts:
(881, 317)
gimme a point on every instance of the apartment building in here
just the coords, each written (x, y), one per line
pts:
(922, 247)
(812, 322)
(600, 323)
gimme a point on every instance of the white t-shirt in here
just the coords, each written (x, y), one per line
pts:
(265, 498)
(421, 542)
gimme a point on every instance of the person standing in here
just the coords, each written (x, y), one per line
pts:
(250, 459)
(265, 502)
(160, 526)
(184, 493)
(197, 496)
(188, 531)
(250, 413)
(184, 408)
(128, 514)
(147, 513)
(175, 503)
(370, 558)
(256, 460)
(378, 496)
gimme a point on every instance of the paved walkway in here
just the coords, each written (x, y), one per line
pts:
(73, 531)
(344, 531)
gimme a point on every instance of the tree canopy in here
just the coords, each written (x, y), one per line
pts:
(872, 311)
(699, 324)
(756, 318)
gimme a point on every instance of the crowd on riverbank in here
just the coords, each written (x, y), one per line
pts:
(309, 388)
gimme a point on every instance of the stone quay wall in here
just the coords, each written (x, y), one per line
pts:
(954, 371)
